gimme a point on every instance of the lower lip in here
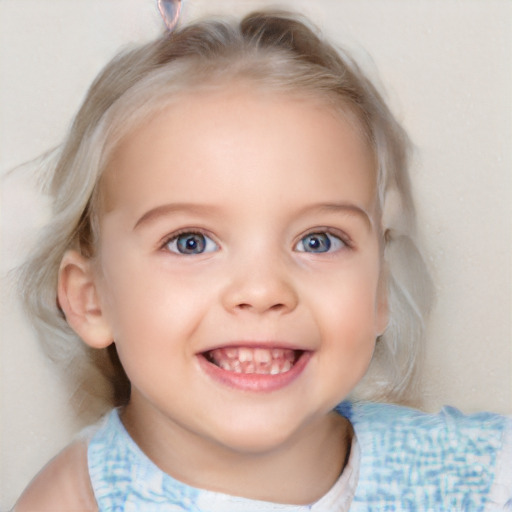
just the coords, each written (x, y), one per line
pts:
(255, 382)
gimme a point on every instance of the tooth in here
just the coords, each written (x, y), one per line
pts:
(277, 353)
(287, 366)
(225, 365)
(250, 368)
(261, 370)
(258, 360)
(212, 355)
(262, 355)
(264, 367)
(245, 354)
(290, 356)
(231, 352)
(274, 369)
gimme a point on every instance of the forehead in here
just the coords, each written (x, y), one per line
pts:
(238, 136)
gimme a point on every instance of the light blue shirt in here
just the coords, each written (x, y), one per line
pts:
(402, 460)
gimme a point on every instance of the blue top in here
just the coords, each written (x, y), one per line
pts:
(402, 459)
(444, 462)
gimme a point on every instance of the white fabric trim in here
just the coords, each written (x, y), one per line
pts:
(337, 499)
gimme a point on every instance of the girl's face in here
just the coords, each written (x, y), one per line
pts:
(239, 269)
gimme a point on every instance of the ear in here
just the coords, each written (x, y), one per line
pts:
(79, 300)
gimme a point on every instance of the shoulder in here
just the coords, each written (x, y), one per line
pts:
(386, 417)
(434, 459)
(62, 485)
(448, 433)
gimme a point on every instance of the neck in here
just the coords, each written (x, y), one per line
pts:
(299, 472)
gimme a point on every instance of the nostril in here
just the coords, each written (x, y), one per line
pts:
(259, 296)
(275, 307)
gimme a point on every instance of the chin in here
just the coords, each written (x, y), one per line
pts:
(258, 435)
(255, 443)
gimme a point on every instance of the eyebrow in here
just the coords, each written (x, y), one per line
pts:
(346, 208)
(168, 209)
(200, 209)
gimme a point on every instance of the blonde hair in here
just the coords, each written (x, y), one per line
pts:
(269, 49)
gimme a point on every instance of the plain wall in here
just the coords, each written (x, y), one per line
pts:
(446, 68)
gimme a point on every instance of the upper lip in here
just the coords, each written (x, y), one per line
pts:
(266, 344)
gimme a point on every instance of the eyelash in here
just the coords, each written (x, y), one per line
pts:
(191, 232)
(343, 238)
(339, 236)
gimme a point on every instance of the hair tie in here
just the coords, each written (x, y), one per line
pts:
(170, 11)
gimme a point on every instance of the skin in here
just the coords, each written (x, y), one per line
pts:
(255, 173)
(62, 486)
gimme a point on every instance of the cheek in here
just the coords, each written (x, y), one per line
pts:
(350, 301)
(350, 341)
(348, 316)
(146, 300)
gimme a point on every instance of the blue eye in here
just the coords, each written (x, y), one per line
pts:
(319, 242)
(191, 243)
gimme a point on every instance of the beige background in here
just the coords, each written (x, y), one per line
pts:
(446, 67)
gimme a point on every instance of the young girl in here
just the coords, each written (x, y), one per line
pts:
(233, 242)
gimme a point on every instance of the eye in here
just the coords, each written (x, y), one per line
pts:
(191, 243)
(319, 242)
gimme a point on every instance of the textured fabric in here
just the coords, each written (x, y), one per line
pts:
(403, 460)
(124, 479)
(501, 491)
(421, 462)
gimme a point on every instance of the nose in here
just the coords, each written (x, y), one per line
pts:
(259, 287)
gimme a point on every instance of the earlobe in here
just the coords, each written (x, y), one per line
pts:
(80, 301)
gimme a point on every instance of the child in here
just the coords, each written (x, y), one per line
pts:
(233, 240)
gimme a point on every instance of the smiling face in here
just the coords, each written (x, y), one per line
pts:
(238, 268)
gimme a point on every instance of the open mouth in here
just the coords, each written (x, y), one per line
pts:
(261, 361)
